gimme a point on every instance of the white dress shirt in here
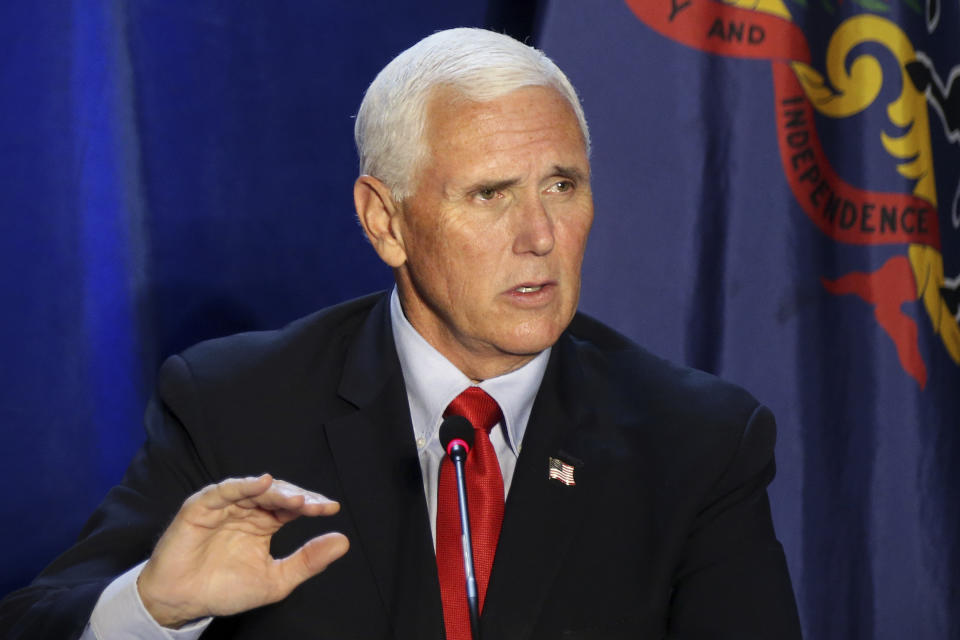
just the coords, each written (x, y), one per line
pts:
(432, 382)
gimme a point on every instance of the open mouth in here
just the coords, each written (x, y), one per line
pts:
(528, 289)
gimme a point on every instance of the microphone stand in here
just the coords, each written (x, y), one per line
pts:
(458, 454)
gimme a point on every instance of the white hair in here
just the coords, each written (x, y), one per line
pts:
(477, 64)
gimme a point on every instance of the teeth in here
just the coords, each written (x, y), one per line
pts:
(528, 289)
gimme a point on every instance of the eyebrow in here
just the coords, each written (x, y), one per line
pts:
(570, 172)
(497, 185)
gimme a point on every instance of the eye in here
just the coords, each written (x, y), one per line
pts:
(561, 186)
(486, 193)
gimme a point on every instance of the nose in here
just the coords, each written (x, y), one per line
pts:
(534, 229)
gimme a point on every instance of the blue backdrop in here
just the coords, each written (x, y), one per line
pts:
(169, 171)
(173, 170)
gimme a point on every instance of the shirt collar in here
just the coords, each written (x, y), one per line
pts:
(433, 382)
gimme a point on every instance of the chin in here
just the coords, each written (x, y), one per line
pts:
(532, 342)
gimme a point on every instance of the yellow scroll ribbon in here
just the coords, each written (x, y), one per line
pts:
(852, 88)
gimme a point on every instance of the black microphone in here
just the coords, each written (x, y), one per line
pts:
(456, 436)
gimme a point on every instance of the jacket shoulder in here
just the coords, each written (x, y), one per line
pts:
(687, 425)
(321, 337)
(638, 382)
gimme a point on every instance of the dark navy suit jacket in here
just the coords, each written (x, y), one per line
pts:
(666, 533)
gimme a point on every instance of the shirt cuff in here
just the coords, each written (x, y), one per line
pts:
(120, 615)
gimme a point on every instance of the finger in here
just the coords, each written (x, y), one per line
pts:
(312, 558)
(286, 497)
(233, 490)
(286, 515)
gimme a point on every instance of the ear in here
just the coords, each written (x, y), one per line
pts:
(378, 214)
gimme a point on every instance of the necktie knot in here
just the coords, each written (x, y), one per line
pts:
(477, 406)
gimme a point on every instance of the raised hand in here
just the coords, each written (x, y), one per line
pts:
(214, 558)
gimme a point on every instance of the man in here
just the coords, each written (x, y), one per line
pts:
(635, 490)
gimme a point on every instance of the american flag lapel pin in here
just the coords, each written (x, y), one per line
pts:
(561, 471)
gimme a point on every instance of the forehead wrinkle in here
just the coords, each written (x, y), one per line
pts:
(485, 141)
(489, 120)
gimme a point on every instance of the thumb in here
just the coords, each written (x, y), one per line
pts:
(312, 558)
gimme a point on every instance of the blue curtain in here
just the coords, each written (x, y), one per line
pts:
(716, 244)
(170, 170)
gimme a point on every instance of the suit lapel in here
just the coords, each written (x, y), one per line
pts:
(377, 464)
(542, 515)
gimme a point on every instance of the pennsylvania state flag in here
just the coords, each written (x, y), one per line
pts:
(777, 191)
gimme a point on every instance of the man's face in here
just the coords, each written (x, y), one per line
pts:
(495, 230)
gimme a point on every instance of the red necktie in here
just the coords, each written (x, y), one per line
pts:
(485, 505)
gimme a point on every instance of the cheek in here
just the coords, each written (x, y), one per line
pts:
(477, 252)
(451, 270)
(584, 222)
(573, 237)
(428, 249)
(448, 239)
